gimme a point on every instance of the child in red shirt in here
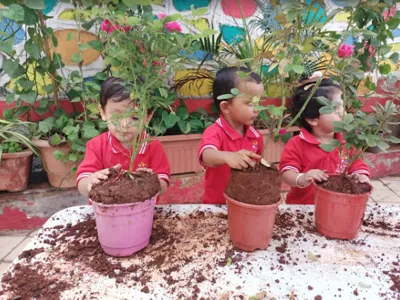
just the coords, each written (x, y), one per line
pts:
(113, 148)
(231, 142)
(302, 159)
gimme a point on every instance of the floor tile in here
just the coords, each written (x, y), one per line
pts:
(17, 251)
(392, 183)
(33, 233)
(8, 243)
(385, 196)
(20, 232)
(4, 266)
(378, 185)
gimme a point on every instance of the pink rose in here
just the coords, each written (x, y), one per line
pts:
(161, 16)
(107, 26)
(282, 131)
(173, 26)
(389, 13)
(345, 50)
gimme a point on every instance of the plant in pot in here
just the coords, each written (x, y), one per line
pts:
(340, 201)
(144, 52)
(16, 151)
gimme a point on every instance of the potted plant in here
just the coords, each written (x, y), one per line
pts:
(16, 151)
(124, 204)
(340, 201)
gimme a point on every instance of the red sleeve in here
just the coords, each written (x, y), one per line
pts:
(92, 161)
(209, 140)
(159, 161)
(260, 144)
(359, 167)
(291, 158)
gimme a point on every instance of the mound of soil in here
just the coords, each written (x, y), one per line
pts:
(258, 185)
(122, 188)
(345, 184)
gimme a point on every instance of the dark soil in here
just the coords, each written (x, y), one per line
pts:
(120, 188)
(259, 185)
(345, 184)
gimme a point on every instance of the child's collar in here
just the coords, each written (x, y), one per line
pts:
(309, 138)
(250, 132)
(117, 147)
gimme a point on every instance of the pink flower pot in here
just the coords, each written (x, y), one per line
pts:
(124, 229)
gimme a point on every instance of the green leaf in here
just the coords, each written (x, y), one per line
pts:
(7, 46)
(228, 261)
(323, 101)
(348, 118)
(26, 85)
(55, 139)
(35, 4)
(163, 92)
(393, 23)
(132, 21)
(83, 47)
(32, 49)
(385, 69)
(235, 91)
(70, 36)
(142, 2)
(89, 132)
(394, 57)
(225, 97)
(298, 69)
(184, 126)
(394, 140)
(170, 120)
(383, 145)
(76, 58)
(199, 11)
(16, 12)
(312, 257)
(9, 99)
(130, 3)
(182, 112)
(11, 68)
(326, 110)
(30, 18)
(330, 147)
(276, 111)
(28, 97)
(96, 45)
(89, 24)
(59, 155)
(46, 125)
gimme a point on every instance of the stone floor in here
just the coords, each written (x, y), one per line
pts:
(386, 191)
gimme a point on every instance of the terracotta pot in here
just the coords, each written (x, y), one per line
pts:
(339, 215)
(59, 173)
(274, 149)
(14, 171)
(250, 226)
(181, 151)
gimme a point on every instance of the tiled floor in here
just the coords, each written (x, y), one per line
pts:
(386, 191)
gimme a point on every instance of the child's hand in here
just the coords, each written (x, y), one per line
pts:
(241, 159)
(99, 176)
(310, 176)
(147, 170)
(361, 178)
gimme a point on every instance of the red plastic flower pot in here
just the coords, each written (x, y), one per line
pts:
(250, 226)
(339, 215)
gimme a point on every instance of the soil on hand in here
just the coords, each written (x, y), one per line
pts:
(259, 185)
(345, 184)
(122, 188)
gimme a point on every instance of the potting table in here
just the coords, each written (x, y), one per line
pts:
(190, 257)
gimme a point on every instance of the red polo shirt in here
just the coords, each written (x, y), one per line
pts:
(221, 136)
(105, 151)
(303, 153)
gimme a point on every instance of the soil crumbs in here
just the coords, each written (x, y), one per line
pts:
(346, 185)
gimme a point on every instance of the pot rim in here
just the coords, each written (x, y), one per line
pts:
(348, 195)
(253, 206)
(24, 153)
(154, 198)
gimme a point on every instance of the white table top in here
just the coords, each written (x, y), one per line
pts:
(195, 256)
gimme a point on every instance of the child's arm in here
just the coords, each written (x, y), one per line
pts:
(360, 171)
(237, 160)
(159, 164)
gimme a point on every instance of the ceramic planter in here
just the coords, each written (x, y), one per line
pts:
(339, 215)
(58, 172)
(124, 229)
(14, 171)
(250, 226)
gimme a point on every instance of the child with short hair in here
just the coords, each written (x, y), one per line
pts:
(303, 160)
(114, 148)
(231, 142)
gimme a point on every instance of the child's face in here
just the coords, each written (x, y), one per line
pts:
(242, 109)
(122, 119)
(325, 121)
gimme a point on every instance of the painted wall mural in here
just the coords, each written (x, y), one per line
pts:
(222, 14)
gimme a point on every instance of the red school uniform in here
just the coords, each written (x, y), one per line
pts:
(105, 151)
(221, 136)
(303, 153)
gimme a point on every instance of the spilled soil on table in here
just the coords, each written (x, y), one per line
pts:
(258, 185)
(345, 184)
(122, 187)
